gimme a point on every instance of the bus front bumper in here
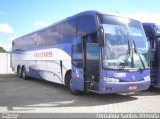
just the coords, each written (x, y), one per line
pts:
(107, 87)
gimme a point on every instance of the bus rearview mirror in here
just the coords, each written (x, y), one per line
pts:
(100, 35)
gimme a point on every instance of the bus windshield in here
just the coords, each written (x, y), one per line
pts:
(125, 44)
(157, 28)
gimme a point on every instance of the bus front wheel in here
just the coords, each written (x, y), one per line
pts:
(73, 91)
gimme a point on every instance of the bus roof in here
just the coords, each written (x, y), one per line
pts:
(91, 12)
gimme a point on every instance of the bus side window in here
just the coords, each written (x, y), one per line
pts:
(67, 31)
(86, 24)
(77, 52)
(149, 33)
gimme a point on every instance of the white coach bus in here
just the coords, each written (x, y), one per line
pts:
(87, 52)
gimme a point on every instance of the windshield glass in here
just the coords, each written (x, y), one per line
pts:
(119, 50)
(157, 28)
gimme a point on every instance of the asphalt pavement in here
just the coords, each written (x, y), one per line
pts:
(38, 96)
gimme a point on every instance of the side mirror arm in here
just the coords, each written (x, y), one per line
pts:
(100, 34)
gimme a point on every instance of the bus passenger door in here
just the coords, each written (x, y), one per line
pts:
(77, 64)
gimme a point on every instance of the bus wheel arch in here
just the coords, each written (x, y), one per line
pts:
(68, 78)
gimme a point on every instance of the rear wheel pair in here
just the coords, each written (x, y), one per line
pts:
(21, 72)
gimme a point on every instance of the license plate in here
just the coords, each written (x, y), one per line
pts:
(132, 87)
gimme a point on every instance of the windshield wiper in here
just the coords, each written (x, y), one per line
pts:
(127, 56)
(130, 52)
(136, 51)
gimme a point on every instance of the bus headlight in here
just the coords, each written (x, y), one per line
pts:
(113, 80)
(147, 78)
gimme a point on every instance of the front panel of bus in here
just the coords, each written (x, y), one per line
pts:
(124, 57)
(153, 33)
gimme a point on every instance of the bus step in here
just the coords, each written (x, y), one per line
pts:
(154, 75)
(93, 91)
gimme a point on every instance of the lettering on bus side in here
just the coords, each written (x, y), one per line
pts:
(43, 54)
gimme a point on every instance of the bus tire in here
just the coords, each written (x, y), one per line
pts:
(71, 90)
(18, 71)
(67, 78)
(23, 73)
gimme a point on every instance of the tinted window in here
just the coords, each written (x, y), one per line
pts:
(115, 20)
(77, 52)
(77, 48)
(148, 31)
(26, 42)
(48, 37)
(57, 34)
(67, 31)
(86, 24)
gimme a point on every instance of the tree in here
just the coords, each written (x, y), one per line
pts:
(2, 50)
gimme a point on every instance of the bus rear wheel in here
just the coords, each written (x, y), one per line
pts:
(23, 73)
(19, 71)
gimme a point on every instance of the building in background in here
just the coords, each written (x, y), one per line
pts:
(5, 63)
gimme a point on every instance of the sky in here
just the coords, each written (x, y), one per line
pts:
(19, 17)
